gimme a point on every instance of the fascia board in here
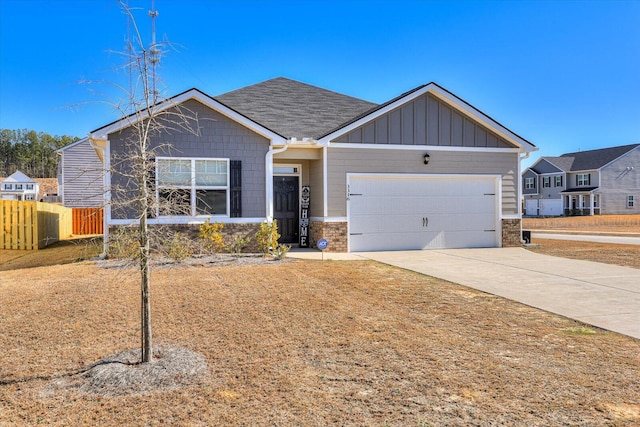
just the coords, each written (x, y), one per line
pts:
(73, 144)
(179, 99)
(398, 147)
(448, 98)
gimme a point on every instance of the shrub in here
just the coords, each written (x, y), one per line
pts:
(180, 247)
(267, 237)
(213, 238)
(239, 243)
(123, 243)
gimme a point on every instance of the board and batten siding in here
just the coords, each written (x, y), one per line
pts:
(358, 160)
(82, 177)
(425, 121)
(218, 137)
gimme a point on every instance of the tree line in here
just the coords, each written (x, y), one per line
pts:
(33, 153)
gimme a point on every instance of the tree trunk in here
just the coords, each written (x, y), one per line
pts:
(146, 304)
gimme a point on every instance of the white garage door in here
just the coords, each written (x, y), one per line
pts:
(397, 212)
(531, 207)
(551, 207)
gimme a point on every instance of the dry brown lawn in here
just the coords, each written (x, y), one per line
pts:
(597, 223)
(307, 343)
(303, 343)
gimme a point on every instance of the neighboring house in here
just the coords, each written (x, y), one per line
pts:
(80, 176)
(19, 186)
(425, 170)
(594, 182)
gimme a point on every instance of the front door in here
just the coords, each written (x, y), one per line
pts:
(286, 207)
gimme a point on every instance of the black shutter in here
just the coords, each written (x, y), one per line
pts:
(588, 179)
(235, 192)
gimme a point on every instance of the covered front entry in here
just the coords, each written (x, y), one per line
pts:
(286, 207)
(397, 212)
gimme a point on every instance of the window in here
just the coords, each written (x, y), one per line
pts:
(29, 186)
(630, 201)
(192, 186)
(529, 183)
(8, 186)
(546, 181)
(29, 197)
(18, 186)
(557, 181)
(582, 179)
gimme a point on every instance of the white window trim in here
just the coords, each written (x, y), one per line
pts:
(193, 188)
(529, 183)
(631, 201)
(555, 181)
(584, 182)
(546, 182)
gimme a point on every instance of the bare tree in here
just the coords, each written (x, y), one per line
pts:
(149, 118)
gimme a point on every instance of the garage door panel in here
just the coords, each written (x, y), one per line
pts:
(392, 212)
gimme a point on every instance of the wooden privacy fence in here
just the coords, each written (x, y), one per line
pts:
(87, 221)
(33, 225)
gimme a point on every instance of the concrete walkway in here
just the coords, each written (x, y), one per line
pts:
(601, 295)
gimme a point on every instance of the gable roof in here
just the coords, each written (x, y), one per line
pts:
(294, 109)
(442, 94)
(595, 159)
(585, 160)
(19, 177)
(195, 94)
(561, 163)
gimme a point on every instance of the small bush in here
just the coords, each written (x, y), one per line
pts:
(124, 244)
(280, 251)
(239, 243)
(213, 238)
(180, 247)
(267, 237)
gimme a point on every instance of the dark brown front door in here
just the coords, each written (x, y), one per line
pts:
(286, 207)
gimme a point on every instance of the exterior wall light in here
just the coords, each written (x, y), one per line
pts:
(426, 158)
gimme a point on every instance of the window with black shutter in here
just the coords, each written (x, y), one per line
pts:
(235, 188)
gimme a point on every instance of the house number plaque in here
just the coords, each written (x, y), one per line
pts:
(304, 217)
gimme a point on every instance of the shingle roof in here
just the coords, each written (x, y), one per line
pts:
(562, 163)
(587, 160)
(294, 109)
(595, 159)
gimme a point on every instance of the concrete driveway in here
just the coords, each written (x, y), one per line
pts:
(601, 295)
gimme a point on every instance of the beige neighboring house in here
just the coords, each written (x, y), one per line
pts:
(19, 186)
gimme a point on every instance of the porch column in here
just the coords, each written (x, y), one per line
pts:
(581, 203)
(591, 203)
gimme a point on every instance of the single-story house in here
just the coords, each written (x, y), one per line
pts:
(19, 186)
(593, 182)
(424, 170)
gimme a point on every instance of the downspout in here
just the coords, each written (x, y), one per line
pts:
(520, 202)
(268, 163)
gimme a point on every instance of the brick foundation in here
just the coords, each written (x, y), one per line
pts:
(229, 232)
(511, 235)
(334, 232)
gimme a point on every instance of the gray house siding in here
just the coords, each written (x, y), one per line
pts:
(425, 121)
(219, 137)
(572, 180)
(620, 179)
(82, 176)
(358, 160)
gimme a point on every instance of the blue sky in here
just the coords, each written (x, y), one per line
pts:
(565, 75)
